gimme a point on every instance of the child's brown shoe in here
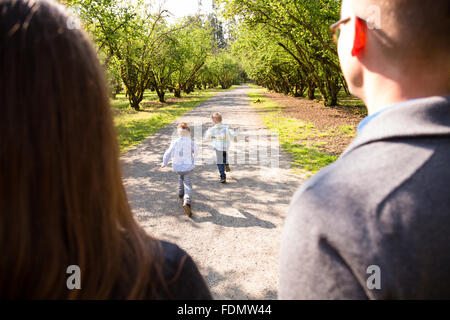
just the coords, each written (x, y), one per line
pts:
(187, 209)
(227, 168)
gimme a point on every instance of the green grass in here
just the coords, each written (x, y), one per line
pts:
(135, 126)
(348, 100)
(306, 157)
(348, 130)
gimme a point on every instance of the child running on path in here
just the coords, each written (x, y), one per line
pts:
(183, 151)
(220, 135)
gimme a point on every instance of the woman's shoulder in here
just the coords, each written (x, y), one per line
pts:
(182, 275)
(173, 254)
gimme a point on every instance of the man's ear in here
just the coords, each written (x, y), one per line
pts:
(359, 42)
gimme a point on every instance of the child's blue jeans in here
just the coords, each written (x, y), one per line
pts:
(221, 162)
(185, 186)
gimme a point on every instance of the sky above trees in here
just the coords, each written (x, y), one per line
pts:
(181, 8)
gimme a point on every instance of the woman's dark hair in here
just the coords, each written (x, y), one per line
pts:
(62, 201)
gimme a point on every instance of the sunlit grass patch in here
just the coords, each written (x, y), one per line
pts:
(348, 130)
(295, 135)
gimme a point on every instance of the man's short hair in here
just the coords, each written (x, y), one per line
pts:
(410, 29)
(216, 116)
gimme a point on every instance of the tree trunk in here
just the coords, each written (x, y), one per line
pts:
(134, 102)
(333, 88)
(344, 84)
(177, 93)
(311, 90)
(301, 90)
(324, 93)
(161, 93)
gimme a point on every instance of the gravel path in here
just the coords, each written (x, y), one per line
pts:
(235, 232)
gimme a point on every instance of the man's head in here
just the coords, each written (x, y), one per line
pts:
(216, 117)
(183, 129)
(403, 41)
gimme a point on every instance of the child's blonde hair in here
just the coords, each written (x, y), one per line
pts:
(217, 116)
(183, 129)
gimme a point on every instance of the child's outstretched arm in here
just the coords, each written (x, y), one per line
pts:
(168, 155)
(232, 134)
(208, 135)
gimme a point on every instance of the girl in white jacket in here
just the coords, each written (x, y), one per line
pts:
(183, 152)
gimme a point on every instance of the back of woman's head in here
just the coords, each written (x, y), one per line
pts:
(62, 201)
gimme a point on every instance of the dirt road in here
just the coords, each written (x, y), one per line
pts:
(235, 231)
